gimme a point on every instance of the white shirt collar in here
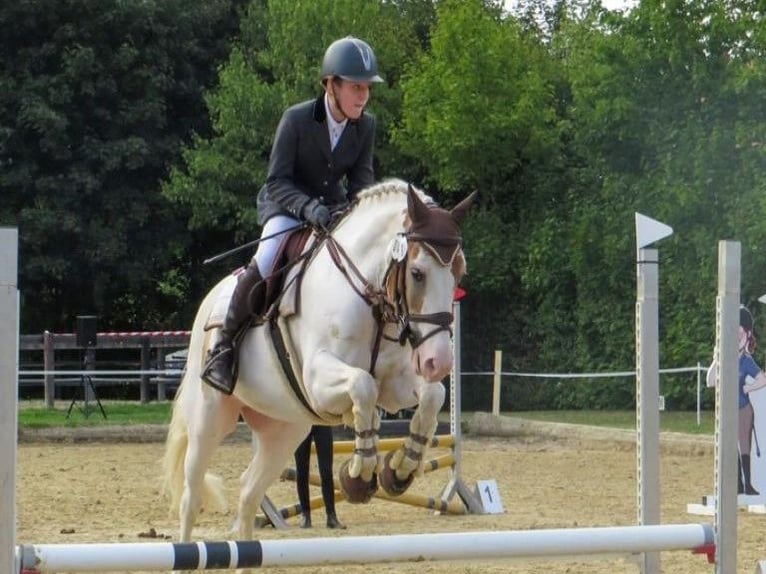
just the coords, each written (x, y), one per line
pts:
(334, 128)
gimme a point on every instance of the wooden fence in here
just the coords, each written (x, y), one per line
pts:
(160, 341)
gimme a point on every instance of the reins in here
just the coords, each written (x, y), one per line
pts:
(384, 310)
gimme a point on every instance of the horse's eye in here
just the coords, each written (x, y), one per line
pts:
(417, 274)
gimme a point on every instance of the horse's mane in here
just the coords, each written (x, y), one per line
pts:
(388, 188)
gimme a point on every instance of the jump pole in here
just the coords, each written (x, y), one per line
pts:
(726, 405)
(648, 231)
(647, 399)
(506, 545)
(9, 343)
(386, 444)
(410, 499)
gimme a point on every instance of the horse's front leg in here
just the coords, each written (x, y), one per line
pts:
(340, 388)
(400, 467)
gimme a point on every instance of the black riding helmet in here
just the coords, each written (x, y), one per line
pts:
(351, 59)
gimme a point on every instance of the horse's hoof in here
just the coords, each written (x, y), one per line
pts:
(388, 480)
(356, 490)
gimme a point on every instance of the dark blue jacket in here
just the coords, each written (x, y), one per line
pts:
(302, 167)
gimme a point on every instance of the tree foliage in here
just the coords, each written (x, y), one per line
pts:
(276, 65)
(566, 117)
(95, 101)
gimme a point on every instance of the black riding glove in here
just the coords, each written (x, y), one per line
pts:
(316, 214)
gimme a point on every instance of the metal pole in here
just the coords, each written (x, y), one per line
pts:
(496, 382)
(49, 364)
(699, 393)
(726, 405)
(9, 385)
(648, 399)
(455, 406)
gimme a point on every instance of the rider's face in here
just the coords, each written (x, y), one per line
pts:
(348, 98)
(744, 340)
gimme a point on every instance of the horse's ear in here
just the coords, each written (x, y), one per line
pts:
(417, 210)
(461, 209)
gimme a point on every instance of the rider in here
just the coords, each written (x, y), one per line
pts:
(317, 144)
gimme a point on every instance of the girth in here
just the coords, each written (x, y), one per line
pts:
(278, 340)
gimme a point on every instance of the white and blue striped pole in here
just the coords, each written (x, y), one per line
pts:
(504, 545)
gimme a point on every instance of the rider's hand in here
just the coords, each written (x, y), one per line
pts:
(316, 214)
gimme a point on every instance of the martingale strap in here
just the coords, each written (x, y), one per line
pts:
(375, 298)
(277, 339)
(441, 239)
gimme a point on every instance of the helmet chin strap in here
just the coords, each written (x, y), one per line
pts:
(335, 103)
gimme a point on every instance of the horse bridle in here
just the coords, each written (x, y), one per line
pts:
(401, 311)
(395, 310)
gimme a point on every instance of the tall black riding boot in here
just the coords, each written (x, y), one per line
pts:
(746, 471)
(248, 298)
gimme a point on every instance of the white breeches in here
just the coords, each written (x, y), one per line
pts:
(267, 250)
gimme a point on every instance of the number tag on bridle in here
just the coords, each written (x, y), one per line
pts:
(399, 248)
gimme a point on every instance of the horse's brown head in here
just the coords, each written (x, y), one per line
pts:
(418, 284)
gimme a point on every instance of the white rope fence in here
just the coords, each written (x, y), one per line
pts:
(498, 374)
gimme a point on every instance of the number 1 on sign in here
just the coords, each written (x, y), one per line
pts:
(489, 496)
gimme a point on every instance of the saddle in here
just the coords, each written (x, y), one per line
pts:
(282, 283)
(292, 254)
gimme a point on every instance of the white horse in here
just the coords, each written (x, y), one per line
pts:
(372, 330)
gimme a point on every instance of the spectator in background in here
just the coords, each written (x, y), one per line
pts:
(322, 437)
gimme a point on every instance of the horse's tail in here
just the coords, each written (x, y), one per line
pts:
(173, 462)
(177, 441)
(175, 453)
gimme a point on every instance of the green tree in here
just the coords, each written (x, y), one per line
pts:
(95, 101)
(480, 113)
(275, 65)
(658, 123)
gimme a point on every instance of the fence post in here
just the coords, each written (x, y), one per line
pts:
(49, 365)
(161, 352)
(496, 382)
(146, 358)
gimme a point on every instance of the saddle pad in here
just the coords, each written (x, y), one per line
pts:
(288, 305)
(221, 305)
